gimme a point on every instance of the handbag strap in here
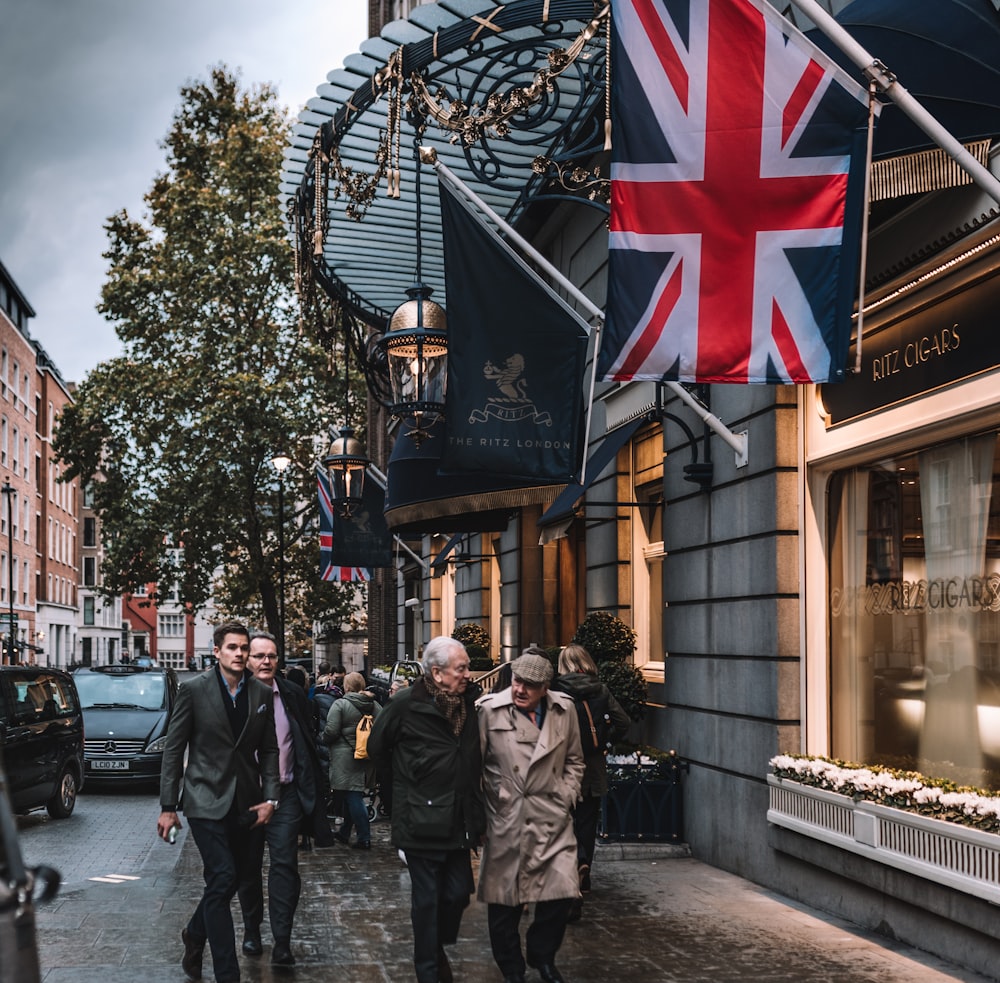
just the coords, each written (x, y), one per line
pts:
(17, 873)
(590, 720)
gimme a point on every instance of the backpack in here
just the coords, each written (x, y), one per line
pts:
(595, 725)
(361, 733)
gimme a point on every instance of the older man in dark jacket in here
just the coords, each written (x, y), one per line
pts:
(428, 735)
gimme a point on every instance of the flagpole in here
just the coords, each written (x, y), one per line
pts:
(737, 441)
(890, 85)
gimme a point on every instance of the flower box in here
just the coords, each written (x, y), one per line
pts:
(960, 857)
(644, 803)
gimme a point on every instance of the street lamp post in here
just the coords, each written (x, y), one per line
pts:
(280, 463)
(8, 493)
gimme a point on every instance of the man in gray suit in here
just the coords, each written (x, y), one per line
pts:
(224, 719)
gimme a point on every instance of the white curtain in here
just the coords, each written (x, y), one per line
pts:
(955, 489)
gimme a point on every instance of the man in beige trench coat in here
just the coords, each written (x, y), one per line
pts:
(532, 768)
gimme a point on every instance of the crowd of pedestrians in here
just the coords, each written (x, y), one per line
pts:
(258, 760)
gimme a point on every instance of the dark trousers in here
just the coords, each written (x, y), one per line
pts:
(544, 936)
(440, 886)
(224, 847)
(283, 882)
(585, 816)
(356, 815)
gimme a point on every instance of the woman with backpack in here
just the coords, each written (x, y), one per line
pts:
(602, 722)
(351, 772)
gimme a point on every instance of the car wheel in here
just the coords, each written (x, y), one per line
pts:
(63, 800)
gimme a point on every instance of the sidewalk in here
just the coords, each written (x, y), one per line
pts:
(654, 915)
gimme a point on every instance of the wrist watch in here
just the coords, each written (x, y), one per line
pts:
(273, 803)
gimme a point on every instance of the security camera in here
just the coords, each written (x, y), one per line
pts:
(411, 602)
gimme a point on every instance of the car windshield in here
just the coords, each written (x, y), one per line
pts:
(139, 691)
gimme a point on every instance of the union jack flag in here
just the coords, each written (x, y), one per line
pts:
(736, 192)
(328, 570)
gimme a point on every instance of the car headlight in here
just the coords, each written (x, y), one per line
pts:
(157, 746)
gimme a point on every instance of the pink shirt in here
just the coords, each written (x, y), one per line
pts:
(286, 752)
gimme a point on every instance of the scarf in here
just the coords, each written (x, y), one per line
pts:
(451, 705)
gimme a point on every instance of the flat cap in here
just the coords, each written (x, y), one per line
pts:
(532, 668)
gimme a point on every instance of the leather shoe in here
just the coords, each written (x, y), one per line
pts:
(251, 943)
(193, 953)
(514, 978)
(281, 955)
(363, 845)
(445, 974)
(548, 972)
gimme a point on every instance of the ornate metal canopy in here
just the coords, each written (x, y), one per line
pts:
(512, 95)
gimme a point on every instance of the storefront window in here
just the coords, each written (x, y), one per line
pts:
(915, 612)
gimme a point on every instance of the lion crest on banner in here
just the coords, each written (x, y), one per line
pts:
(511, 404)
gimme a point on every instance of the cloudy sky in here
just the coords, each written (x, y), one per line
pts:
(88, 89)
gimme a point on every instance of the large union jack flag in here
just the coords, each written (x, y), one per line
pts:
(736, 194)
(328, 570)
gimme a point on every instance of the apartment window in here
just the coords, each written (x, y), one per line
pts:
(3, 372)
(88, 610)
(26, 459)
(171, 625)
(89, 532)
(914, 564)
(3, 441)
(89, 571)
(27, 522)
(15, 379)
(88, 496)
(15, 442)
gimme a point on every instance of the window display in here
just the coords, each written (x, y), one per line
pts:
(915, 612)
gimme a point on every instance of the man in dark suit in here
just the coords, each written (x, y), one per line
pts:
(224, 719)
(300, 807)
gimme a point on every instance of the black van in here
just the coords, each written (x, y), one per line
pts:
(126, 710)
(41, 733)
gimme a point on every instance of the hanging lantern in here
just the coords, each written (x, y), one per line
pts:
(416, 346)
(346, 464)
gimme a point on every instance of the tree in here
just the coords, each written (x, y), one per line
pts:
(176, 435)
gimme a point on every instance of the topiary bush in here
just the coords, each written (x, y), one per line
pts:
(605, 637)
(479, 658)
(611, 644)
(472, 634)
(627, 685)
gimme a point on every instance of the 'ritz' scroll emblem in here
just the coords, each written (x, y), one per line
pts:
(512, 404)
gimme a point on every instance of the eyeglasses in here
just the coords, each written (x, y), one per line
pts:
(267, 657)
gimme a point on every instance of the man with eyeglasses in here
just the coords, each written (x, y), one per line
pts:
(300, 808)
(224, 721)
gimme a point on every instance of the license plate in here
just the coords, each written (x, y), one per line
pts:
(122, 765)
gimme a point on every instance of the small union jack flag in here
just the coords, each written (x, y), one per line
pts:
(328, 570)
(737, 178)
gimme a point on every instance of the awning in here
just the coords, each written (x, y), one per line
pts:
(420, 499)
(482, 56)
(440, 561)
(946, 54)
(562, 510)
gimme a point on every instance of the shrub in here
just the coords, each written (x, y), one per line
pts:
(606, 638)
(627, 685)
(479, 658)
(472, 634)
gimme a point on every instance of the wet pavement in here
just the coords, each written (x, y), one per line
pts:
(654, 914)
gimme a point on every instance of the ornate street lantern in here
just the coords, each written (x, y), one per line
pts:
(346, 465)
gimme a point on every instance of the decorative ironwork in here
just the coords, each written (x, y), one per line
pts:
(493, 89)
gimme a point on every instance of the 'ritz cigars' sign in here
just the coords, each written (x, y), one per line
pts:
(949, 341)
